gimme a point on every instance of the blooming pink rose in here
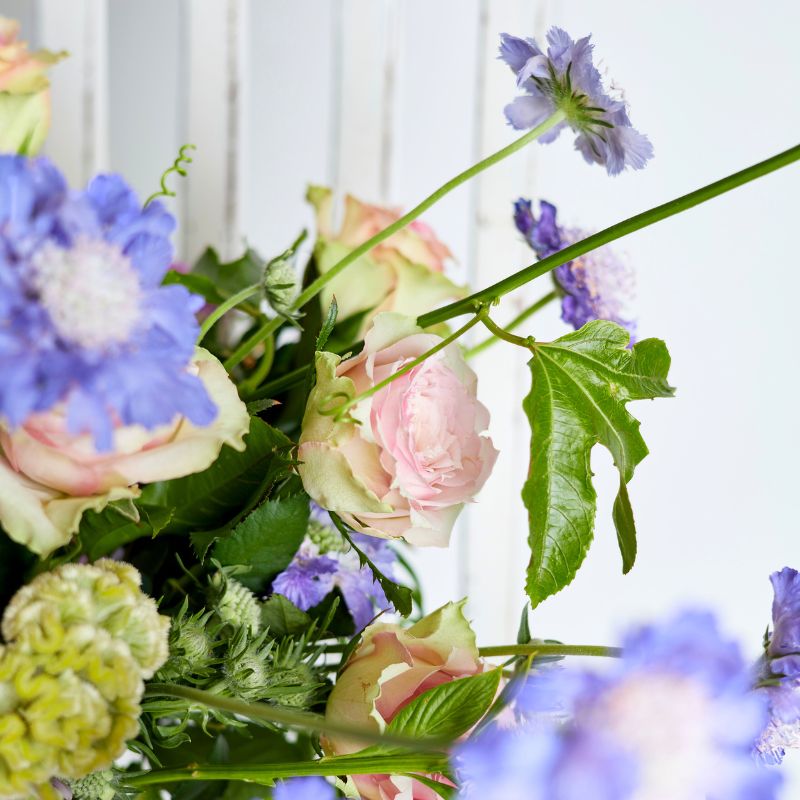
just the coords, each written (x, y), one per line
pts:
(420, 451)
(49, 477)
(390, 667)
(403, 274)
(24, 92)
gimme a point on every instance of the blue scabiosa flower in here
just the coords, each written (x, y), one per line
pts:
(325, 562)
(304, 789)
(86, 321)
(565, 79)
(598, 285)
(673, 719)
(780, 670)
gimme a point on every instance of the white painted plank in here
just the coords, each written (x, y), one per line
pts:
(78, 140)
(292, 90)
(146, 100)
(216, 59)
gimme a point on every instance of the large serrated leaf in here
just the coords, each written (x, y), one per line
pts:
(265, 540)
(580, 385)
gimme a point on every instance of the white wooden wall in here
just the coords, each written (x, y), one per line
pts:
(388, 98)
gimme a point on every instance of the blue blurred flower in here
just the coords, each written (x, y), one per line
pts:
(303, 789)
(85, 319)
(673, 719)
(597, 285)
(780, 670)
(566, 79)
(325, 562)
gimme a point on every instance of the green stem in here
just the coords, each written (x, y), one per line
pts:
(224, 308)
(502, 333)
(643, 220)
(244, 349)
(261, 371)
(266, 773)
(292, 719)
(515, 323)
(342, 409)
(551, 650)
(316, 286)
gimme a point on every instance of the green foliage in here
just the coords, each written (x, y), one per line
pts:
(281, 617)
(449, 710)
(580, 385)
(232, 276)
(265, 540)
(211, 499)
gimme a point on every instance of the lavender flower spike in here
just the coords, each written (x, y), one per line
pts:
(565, 79)
(597, 285)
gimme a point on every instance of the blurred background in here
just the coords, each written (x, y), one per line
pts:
(386, 99)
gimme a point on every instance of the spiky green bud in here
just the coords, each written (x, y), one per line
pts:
(105, 594)
(246, 666)
(191, 647)
(235, 604)
(97, 786)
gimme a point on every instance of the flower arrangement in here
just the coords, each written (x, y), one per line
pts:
(205, 527)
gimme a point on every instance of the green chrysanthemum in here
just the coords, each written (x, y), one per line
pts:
(105, 594)
(97, 786)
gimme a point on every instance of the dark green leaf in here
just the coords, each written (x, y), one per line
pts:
(442, 789)
(282, 617)
(524, 631)
(401, 597)
(15, 560)
(265, 540)
(449, 710)
(580, 385)
(210, 499)
(626, 528)
(327, 325)
(101, 533)
(232, 276)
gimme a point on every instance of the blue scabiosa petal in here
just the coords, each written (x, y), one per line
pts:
(325, 562)
(311, 788)
(597, 285)
(565, 79)
(673, 718)
(88, 323)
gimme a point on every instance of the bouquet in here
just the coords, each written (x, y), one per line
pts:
(213, 479)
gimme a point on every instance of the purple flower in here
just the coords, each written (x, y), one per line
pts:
(86, 321)
(303, 789)
(673, 718)
(325, 562)
(780, 670)
(565, 79)
(597, 285)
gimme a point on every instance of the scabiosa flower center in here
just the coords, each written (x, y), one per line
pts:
(91, 291)
(660, 718)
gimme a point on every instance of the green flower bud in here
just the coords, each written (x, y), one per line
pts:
(105, 594)
(326, 539)
(235, 604)
(280, 282)
(246, 667)
(294, 687)
(191, 647)
(97, 786)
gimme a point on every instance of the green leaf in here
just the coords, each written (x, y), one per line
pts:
(401, 597)
(197, 284)
(442, 789)
(282, 617)
(265, 540)
(212, 498)
(327, 326)
(580, 385)
(103, 532)
(232, 276)
(449, 710)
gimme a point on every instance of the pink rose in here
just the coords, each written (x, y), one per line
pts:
(390, 667)
(49, 477)
(24, 92)
(420, 451)
(403, 274)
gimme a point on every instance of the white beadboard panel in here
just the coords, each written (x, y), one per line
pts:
(292, 95)
(78, 140)
(216, 43)
(495, 527)
(146, 97)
